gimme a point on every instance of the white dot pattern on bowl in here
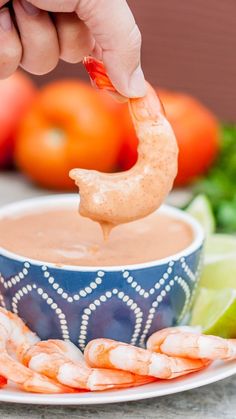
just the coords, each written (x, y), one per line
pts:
(2, 302)
(16, 278)
(197, 276)
(56, 297)
(102, 299)
(187, 269)
(77, 296)
(146, 293)
(61, 316)
(184, 286)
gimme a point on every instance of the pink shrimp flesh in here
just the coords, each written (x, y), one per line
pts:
(182, 342)
(52, 359)
(106, 353)
(14, 334)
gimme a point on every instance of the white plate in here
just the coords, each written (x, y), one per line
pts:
(215, 372)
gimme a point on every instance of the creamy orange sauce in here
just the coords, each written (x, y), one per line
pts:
(64, 237)
(116, 198)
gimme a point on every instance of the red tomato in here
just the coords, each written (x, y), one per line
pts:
(68, 126)
(16, 95)
(3, 381)
(196, 130)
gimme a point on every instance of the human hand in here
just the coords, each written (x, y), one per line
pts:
(104, 28)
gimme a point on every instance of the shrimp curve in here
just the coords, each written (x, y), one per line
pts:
(116, 198)
(53, 359)
(15, 339)
(182, 342)
(106, 353)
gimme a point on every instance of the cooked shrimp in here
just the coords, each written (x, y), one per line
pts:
(112, 199)
(106, 353)
(16, 335)
(20, 337)
(182, 342)
(53, 359)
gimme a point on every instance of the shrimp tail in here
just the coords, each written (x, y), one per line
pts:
(105, 379)
(98, 74)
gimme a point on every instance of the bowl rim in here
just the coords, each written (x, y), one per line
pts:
(49, 201)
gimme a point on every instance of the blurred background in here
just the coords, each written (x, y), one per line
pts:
(188, 46)
(52, 123)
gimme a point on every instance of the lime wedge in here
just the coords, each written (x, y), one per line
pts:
(220, 247)
(220, 262)
(219, 275)
(215, 312)
(200, 208)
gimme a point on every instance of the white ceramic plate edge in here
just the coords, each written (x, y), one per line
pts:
(216, 372)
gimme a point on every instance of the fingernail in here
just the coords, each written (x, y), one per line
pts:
(137, 84)
(29, 8)
(5, 20)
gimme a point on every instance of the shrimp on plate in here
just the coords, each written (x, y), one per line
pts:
(53, 359)
(15, 339)
(183, 342)
(106, 353)
(116, 198)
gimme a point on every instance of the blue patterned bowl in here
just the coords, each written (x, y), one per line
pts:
(126, 303)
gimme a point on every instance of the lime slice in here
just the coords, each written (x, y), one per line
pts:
(215, 312)
(220, 247)
(200, 208)
(220, 262)
(219, 275)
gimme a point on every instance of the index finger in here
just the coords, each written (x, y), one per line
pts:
(113, 26)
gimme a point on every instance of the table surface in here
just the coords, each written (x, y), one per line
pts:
(210, 402)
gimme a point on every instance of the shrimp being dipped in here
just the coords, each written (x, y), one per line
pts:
(106, 353)
(182, 342)
(53, 359)
(112, 199)
(15, 338)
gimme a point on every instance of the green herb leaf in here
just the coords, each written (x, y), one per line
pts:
(220, 183)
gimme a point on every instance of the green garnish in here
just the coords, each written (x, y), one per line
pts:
(220, 183)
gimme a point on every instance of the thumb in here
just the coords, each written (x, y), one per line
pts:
(115, 31)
